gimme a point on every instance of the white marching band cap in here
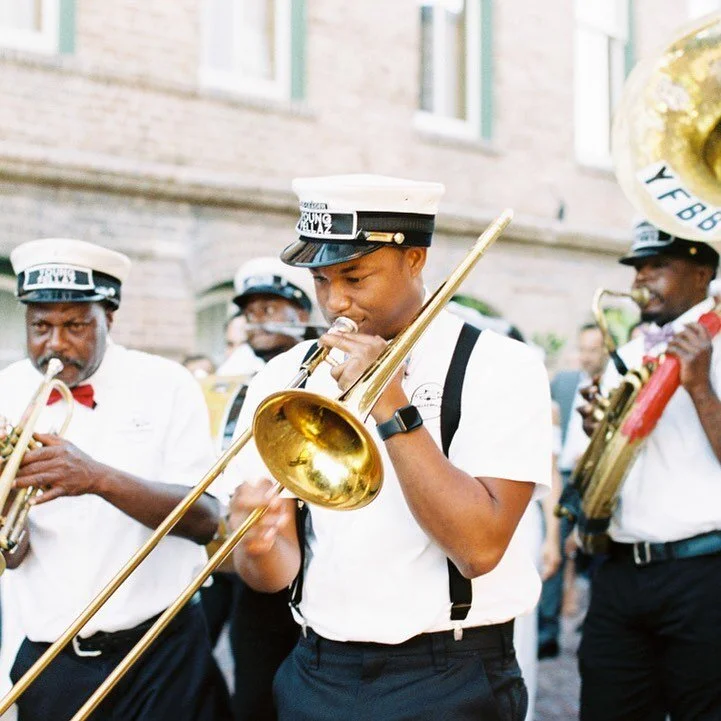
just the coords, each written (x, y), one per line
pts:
(64, 270)
(270, 276)
(343, 217)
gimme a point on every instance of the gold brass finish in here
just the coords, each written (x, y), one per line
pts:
(669, 122)
(158, 534)
(303, 417)
(317, 433)
(12, 451)
(641, 296)
(592, 494)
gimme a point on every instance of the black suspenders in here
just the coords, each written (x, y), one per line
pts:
(459, 587)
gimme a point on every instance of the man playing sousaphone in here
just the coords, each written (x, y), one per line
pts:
(138, 438)
(652, 638)
(407, 604)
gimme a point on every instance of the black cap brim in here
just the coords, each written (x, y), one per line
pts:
(288, 292)
(53, 295)
(306, 254)
(638, 255)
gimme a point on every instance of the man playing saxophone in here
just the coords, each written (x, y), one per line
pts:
(137, 439)
(651, 642)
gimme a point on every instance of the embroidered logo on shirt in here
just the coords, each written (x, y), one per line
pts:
(427, 399)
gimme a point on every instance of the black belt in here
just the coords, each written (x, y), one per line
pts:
(498, 636)
(124, 640)
(643, 552)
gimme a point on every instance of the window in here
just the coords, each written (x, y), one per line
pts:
(12, 318)
(699, 8)
(30, 25)
(247, 46)
(602, 58)
(451, 85)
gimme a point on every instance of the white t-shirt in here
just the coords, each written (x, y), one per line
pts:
(373, 574)
(673, 489)
(150, 421)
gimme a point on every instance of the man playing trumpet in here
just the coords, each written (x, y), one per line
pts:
(652, 638)
(138, 438)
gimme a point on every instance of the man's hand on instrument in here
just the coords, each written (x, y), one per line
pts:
(591, 410)
(262, 536)
(692, 346)
(58, 468)
(361, 351)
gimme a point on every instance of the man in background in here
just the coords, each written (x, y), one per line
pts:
(565, 390)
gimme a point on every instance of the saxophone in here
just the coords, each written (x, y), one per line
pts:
(590, 498)
(626, 418)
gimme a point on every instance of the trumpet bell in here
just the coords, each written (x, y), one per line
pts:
(318, 449)
(666, 137)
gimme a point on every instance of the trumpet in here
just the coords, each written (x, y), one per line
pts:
(306, 369)
(330, 460)
(12, 450)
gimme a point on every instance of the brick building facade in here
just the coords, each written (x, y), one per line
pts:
(171, 129)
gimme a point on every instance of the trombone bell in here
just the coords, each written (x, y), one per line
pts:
(318, 449)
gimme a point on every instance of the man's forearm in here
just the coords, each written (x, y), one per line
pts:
(150, 503)
(708, 407)
(272, 571)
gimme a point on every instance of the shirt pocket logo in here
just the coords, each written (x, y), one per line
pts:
(427, 399)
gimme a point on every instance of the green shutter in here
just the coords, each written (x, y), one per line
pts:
(299, 22)
(631, 41)
(486, 69)
(66, 34)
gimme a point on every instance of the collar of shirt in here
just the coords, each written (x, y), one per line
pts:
(690, 316)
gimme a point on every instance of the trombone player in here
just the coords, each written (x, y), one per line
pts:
(138, 437)
(651, 643)
(406, 605)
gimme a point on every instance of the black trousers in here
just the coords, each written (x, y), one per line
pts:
(262, 634)
(429, 678)
(176, 680)
(652, 642)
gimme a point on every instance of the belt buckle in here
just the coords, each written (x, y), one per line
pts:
(639, 558)
(80, 652)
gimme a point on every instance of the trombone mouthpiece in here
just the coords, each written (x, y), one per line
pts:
(343, 325)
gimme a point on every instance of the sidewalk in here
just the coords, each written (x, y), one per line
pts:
(558, 680)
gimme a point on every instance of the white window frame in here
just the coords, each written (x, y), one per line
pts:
(699, 8)
(45, 41)
(596, 152)
(432, 121)
(279, 88)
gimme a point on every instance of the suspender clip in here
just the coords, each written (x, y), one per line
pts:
(457, 632)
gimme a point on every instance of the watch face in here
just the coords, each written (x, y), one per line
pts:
(410, 417)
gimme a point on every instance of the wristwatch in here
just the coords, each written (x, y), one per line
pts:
(403, 420)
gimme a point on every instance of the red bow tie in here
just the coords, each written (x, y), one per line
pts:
(85, 395)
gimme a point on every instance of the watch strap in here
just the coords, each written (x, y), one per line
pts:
(405, 419)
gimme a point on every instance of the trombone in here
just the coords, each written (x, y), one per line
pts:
(330, 459)
(12, 451)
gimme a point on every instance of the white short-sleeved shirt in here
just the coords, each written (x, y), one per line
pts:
(150, 421)
(373, 574)
(673, 489)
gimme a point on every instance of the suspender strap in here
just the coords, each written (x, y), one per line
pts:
(301, 516)
(460, 588)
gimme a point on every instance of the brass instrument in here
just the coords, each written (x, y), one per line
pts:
(666, 137)
(316, 447)
(590, 498)
(224, 396)
(306, 369)
(12, 451)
